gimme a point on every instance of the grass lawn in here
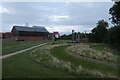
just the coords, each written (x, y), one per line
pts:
(9, 47)
(22, 66)
(60, 53)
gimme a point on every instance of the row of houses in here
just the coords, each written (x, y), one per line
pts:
(23, 33)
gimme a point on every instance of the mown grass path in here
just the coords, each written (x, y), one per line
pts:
(21, 51)
(61, 54)
(22, 66)
(10, 47)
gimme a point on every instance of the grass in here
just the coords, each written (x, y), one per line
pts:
(22, 66)
(60, 53)
(9, 47)
(99, 52)
(98, 47)
(104, 47)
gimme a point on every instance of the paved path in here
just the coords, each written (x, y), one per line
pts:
(21, 51)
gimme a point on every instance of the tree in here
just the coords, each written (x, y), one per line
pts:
(99, 32)
(115, 12)
(113, 37)
(66, 37)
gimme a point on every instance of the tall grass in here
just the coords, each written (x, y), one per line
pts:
(43, 57)
(60, 53)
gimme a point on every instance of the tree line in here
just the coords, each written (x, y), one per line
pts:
(102, 33)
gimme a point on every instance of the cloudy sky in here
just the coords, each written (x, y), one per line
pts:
(55, 16)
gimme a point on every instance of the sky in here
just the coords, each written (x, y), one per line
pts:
(55, 16)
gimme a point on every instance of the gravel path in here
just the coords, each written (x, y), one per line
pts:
(21, 51)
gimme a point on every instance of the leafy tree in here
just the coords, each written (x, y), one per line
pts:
(113, 36)
(115, 12)
(99, 32)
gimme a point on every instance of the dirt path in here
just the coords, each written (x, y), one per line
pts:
(21, 51)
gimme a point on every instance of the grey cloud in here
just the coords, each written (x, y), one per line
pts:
(86, 14)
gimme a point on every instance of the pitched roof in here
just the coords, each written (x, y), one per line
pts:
(30, 29)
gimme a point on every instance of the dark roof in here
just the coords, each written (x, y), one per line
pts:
(30, 29)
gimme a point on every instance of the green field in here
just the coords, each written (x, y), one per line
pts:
(23, 66)
(60, 53)
(9, 47)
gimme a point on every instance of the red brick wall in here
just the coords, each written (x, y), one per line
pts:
(31, 38)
